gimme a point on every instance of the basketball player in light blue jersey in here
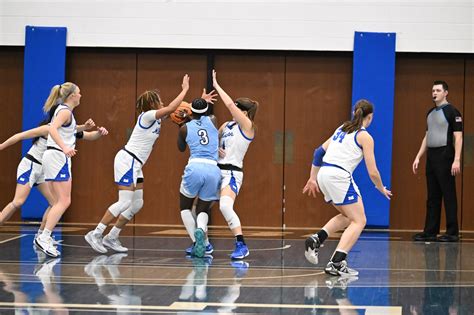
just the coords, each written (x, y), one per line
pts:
(331, 174)
(201, 177)
(128, 164)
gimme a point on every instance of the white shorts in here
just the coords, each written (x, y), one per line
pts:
(233, 179)
(29, 172)
(337, 185)
(56, 166)
(127, 169)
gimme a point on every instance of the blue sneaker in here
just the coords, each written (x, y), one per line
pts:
(240, 252)
(189, 250)
(209, 249)
(199, 248)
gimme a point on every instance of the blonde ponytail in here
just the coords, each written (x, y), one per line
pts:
(51, 101)
(58, 95)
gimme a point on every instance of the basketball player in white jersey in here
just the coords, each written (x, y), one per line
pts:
(30, 170)
(128, 165)
(60, 147)
(235, 137)
(331, 174)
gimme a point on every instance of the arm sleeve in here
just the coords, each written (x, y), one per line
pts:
(80, 135)
(454, 118)
(318, 156)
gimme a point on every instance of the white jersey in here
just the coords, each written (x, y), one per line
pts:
(235, 144)
(344, 151)
(37, 149)
(144, 135)
(66, 132)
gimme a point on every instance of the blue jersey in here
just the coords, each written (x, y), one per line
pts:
(202, 139)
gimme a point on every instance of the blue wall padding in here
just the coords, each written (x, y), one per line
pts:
(373, 78)
(45, 63)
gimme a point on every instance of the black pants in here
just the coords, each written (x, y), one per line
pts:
(441, 185)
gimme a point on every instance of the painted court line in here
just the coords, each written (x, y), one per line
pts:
(13, 238)
(369, 310)
(191, 306)
(182, 250)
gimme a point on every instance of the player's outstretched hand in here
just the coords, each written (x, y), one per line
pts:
(311, 188)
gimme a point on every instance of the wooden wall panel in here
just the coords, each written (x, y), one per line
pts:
(317, 101)
(468, 157)
(414, 79)
(107, 80)
(261, 78)
(11, 103)
(302, 97)
(165, 166)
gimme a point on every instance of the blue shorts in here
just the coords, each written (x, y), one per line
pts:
(202, 180)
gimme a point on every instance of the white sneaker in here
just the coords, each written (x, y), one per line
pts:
(47, 246)
(55, 242)
(312, 245)
(114, 244)
(95, 241)
(340, 269)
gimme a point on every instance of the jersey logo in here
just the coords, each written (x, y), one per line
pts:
(458, 119)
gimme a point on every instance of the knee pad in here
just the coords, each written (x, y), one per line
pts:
(136, 205)
(124, 202)
(226, 205)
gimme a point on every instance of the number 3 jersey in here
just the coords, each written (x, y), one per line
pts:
(343, 150)
(202, 139)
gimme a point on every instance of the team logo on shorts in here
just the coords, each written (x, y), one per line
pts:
(458, 119)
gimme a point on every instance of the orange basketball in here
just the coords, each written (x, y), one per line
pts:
(182, 113)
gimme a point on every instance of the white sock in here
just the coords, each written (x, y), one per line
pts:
(189, 223)
(114, 232)
(100, 228)
(202, 220)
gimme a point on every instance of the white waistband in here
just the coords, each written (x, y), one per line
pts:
(201, 160)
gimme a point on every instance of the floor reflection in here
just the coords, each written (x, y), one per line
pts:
(396, 277)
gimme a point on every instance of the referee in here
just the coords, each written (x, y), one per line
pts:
(443, 143)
